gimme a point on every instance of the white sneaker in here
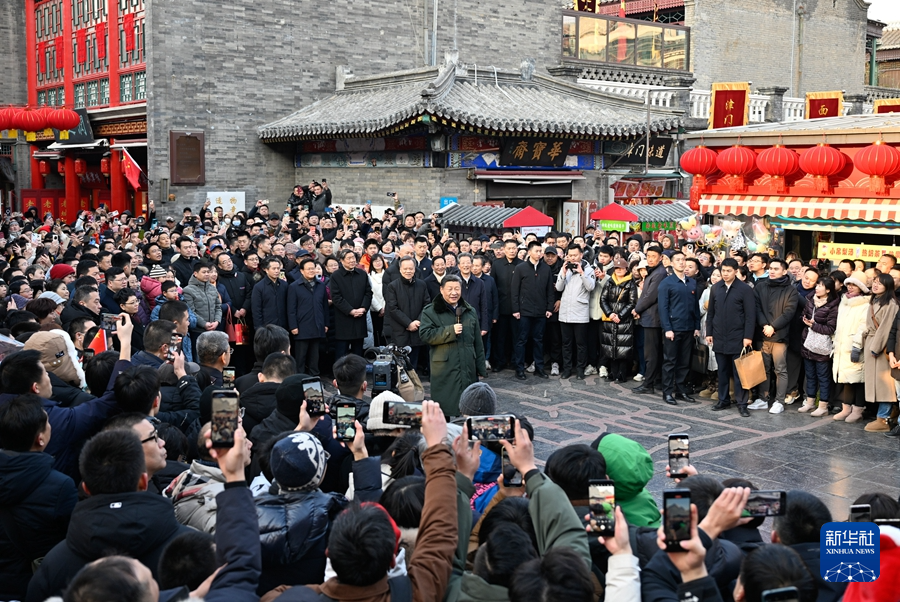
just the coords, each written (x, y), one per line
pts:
(638, 378)
(590, 370)
(759, 404)
(777, 408)
(487, 365)
(554, 369)
(603, 372)
(530, 369)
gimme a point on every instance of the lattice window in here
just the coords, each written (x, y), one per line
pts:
(6, 150)
(79, 96)
(125, 87)
(140, 85)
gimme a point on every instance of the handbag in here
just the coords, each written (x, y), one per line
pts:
(750, 368)
(816, 342)
(700, 356)
(235, 328)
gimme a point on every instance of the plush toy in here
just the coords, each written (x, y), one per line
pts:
(690, 229)
(760, 233)
(734, 237)
(712, 236)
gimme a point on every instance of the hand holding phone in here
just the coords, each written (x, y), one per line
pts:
(765, 503)
(512, 476)
(679, 455)
(346, 421)
(500, 427)
(677, 516)
(602, 495)
(225, 417)
(860, 513)
(314, 396)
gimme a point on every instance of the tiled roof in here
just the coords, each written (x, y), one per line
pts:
(477, 217)
(890, 37)
(492, 100)
(661, 213)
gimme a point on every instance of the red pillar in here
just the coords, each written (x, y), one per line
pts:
(30, 56)
(73, 186)
(68, 63)
(112, 56)
(118, 193)
(37, 180)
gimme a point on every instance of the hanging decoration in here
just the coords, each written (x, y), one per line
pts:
(81, 46)
(701, 162)
(64, 120)
(46, 114)
(9, 121)
(778, 162)
(100, 32)
(878, 161)
(29, 121)
(128, 26)
(58, 43)
(823, 162)
(737, 162)
(41, 64)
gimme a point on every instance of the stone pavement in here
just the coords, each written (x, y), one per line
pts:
(834, 460)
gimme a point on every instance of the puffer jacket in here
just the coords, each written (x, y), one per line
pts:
(193, 494)
(574, 307)
(851, 322)
(203, 298)
(619, 297)
(293, 530)
(826, 316)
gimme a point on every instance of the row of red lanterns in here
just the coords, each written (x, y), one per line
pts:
(80, 167)
(823, 161)
(41, 119)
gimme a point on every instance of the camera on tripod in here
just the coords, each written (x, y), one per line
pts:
(385, 361)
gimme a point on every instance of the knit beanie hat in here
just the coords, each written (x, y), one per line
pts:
(478, 399)
(157, 272)
(60, 271)
(298, 462)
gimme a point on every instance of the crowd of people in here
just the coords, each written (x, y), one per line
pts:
(118, 329)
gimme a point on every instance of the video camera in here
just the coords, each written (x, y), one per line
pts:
(384, 367)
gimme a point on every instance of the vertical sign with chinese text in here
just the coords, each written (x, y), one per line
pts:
(849, 552)
(824, 104)
(730, 105)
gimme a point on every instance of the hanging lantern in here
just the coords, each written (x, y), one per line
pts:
(778, 162)
(878, 161)
(4, 121)
(61, 167)
(822, 162)
(737, 162)
(8, 122)
(65, 120)
(46, 114)
(44, 168)
(80, 167)
(30, 121)
(701, 163)
(104, 166)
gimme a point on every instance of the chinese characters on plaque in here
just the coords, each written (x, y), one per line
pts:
(637, 152)
(529, 152)
(730, 105)
(230, 202)
(824, 104)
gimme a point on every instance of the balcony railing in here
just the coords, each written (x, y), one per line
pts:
(620, 41)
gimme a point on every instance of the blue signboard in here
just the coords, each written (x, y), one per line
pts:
(448, 200)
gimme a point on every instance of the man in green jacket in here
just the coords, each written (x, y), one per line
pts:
(450, 326)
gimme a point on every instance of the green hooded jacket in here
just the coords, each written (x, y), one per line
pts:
(631, 467)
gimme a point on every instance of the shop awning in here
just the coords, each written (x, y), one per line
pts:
(65, 146)
(528, 217)
(643, 213)
(534, 178)
(488, 218)
(852, 209)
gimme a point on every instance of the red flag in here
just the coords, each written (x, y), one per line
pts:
(100, 31)
(80, 38)
(41, 57)
(128, 26)
(622, 9)
(99, 343)
(58, 42)
(131, 170)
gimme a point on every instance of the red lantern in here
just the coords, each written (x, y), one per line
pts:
(8, 121)
(104, 166)
(878, 161)
(4, 120)
(778, 162)
(44, 168)
(737, 162)
(701, 162)
(61, 167)
(65, 120)
(46, 114)
(30, 121)
(80, 167)
(822, 162)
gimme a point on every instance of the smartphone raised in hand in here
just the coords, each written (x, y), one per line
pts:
(501, 427)
(406, 413)
(228, 374)
(346, 420)
(676, 518)
(679, 455)
(314, 395)
(602, 495)
(225, 417)
(860, 513)
(765, 503)
(512, 477)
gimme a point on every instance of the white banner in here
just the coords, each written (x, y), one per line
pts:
(230, 202)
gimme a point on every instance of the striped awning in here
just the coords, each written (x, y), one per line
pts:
(806, 207)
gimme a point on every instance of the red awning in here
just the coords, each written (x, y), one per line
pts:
(615, 212)
(528, 217)
(864, 209)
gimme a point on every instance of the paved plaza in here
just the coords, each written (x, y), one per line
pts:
(834, 460)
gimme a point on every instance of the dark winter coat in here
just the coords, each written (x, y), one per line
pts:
(532, 289)
(35, 504)
(502, 273)
(184, 269)
(679, 306)
(350, 289)
(239, 289)
(293, 531)
(825, 322)
(258, 402)
(731, 316)
(776, 304)
(270, 303)
(67, 395)
(136, 524)
(423, 268)
(404, 301)
(73, 311)
(619, 297)
(490, 287)
(647, 306)
(476, 295)
(307, 309)
(456, 361)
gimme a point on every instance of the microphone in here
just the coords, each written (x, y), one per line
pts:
(459, 312)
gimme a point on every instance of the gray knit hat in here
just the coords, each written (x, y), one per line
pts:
(478, 399)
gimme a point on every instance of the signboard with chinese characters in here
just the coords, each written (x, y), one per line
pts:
(230, 202)
(656, 226)
(538, 231)
(730, 105)
(613, 226)
(836, 251)
(491, 159)
(571, 221)
(824, 104)
(534, 151)
(850, 552)
(886, 105)
(448, 200)
(626, 189)
(638, 152)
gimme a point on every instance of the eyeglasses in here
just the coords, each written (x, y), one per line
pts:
(131, 302)
(154, 436)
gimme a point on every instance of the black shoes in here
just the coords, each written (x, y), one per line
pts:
(520, 375)
(670, 400)
(685, 397)
(497, 368)
(540, 374)
(566, 374)
(894, 432)
(580, 375)
(744, 411)
(644, 389)
(722, 405)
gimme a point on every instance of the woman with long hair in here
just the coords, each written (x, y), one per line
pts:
(848, 374)
(376, 274)
(880, 386)
(820, 317)
(711, 366)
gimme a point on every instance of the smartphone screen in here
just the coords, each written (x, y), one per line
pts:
(765, 503)
(109, 322)
(492, 428)
(603, 507)
(346, 418)
(679, 455)
(511, 475)
(677, 518)
(403, 412)
(314, 395)
(88, 354)
(228, 377)
(225, 413)
(782, 594)
(174, 348)
(860, 513)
